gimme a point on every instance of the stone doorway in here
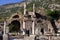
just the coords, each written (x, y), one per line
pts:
(14, 26)
(42, 30)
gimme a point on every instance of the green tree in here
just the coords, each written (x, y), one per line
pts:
(52, 14)
(11, 27)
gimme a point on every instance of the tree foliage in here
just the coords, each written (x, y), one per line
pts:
(11, 27)
(53, 14)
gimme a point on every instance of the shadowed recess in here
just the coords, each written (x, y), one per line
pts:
(14, 26)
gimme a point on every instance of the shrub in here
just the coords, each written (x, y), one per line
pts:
(52, 14)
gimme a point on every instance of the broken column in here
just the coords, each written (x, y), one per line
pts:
(5, 36)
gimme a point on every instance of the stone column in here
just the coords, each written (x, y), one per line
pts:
(23, 27)
(5, 36)
(24, 18)
(49, 37)
(4, 27)
(33, 19)
(33, 9)
(24, 8)
(33, 27)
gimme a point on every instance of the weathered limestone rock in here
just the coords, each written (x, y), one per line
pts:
(26, 38)
(31, 37)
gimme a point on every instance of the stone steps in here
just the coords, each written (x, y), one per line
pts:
(31, 37)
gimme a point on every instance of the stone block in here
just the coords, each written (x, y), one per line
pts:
(5, 37)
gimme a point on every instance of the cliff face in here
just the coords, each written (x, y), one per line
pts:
(41, 7)
(44, 4)
(8, 9)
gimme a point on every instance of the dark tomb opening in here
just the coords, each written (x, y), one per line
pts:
(14, 26)
(42, 30)
(27, 32)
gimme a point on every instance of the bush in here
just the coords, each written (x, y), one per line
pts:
(11, 27)
(52, 14)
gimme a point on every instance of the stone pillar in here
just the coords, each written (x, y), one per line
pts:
(33, 28)
(24, 8)
(4, 27)
(24, 18)
(49, 37)
(36, 31)
(5, 36)
(33, 19)
(23, 27)
(33, 9)
(7, 30)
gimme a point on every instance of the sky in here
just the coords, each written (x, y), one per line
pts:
(2, 2)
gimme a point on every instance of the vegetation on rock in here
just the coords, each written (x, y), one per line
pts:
(11, 27)
(51, 15)
(38, 4)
